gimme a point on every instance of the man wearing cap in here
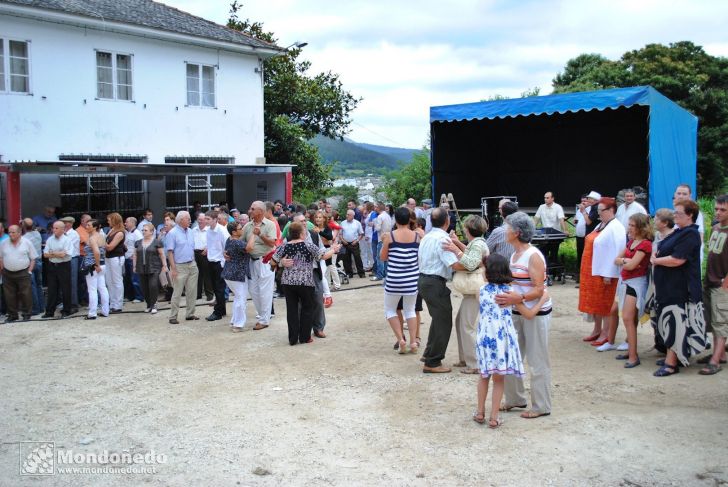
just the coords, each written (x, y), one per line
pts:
(589, 211)
(17, 259)
(75, 239)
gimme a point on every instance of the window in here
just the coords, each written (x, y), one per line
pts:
(199, 160)
(200, 85)
(101, 194)
(14, 66)
(113, 76)
(182, 191)
(99, 158)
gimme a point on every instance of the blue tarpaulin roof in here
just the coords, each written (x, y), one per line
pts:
(672, 129)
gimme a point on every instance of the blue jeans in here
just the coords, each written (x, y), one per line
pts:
(36, 286)
(381, 265)
(375, 260)
(132, 284)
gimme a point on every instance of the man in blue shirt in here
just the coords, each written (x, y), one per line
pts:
(435, 270)
(44, 221)
(180, 246)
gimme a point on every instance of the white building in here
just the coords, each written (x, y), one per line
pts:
(119, 105)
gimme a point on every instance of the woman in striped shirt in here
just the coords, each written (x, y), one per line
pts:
(399, 250)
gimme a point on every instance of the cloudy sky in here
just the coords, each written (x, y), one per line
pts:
(402, 56)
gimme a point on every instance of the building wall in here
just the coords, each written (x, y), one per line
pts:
(63, 115)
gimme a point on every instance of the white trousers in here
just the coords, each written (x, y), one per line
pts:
(367, 258)
(96, 284)
(115, 281)
(240, 288)
(324, 282)
(333, 274)
(260, 287)
(408, 305)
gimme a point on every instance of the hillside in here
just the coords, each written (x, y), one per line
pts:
(351, 159)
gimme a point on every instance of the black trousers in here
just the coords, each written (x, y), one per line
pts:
(204, 283)
(218, 285)
(59, 283)
(355, 252)
(579, 253)
(150, 288)
(300, 320)
(552, 253)
(437, 296)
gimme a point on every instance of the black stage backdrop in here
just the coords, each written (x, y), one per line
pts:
(569, 154)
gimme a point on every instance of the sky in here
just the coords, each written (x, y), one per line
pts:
(402, 57)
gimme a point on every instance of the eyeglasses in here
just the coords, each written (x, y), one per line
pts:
(679, 213)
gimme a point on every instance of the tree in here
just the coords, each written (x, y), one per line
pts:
(683, 72)
(298, 106)
(412, 181)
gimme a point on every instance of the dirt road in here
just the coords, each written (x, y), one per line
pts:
(248, 409)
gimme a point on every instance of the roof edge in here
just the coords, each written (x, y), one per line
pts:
(78, 20)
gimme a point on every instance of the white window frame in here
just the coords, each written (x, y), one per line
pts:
(199, 85)
(114, 78)
(6, 66)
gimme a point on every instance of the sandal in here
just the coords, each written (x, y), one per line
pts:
(533, 415)
(469, 371)
(505, 408)
(661, 363)
(666, 370)
(479, 417)
(710, 369)
(706, 360)
(591, 338)
(402, 347)
(260, 326)
(413, 347)
(494, 423)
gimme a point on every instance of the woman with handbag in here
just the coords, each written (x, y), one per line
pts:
(149, 260)
(400, 250)
(93, 266)
(468, 280)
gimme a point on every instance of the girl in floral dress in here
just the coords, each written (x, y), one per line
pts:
(497, 343)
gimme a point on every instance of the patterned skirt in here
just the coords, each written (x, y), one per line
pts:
(682, 329)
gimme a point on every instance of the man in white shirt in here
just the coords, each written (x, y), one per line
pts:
(58, 252)
(351, 234)
(147, 218)
(551, 215)
(435, 270)
(132, 283)
(17, 259)
(215, 260)
(628, 208)
(204, 284)
(580, 231)
(75, 238)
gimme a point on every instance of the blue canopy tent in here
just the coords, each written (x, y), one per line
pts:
(569, 143)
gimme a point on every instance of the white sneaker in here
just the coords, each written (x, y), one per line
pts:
(607, 347)
(623, 346)
(136, 301)
(154, 310)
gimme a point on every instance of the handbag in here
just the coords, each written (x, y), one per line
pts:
(469, 282)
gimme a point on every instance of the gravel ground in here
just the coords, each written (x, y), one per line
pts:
(229, 409)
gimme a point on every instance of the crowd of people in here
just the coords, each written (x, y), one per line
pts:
(629, 266)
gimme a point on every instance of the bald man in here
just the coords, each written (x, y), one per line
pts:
(17, 258)
(58, 250)
(262, 233)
